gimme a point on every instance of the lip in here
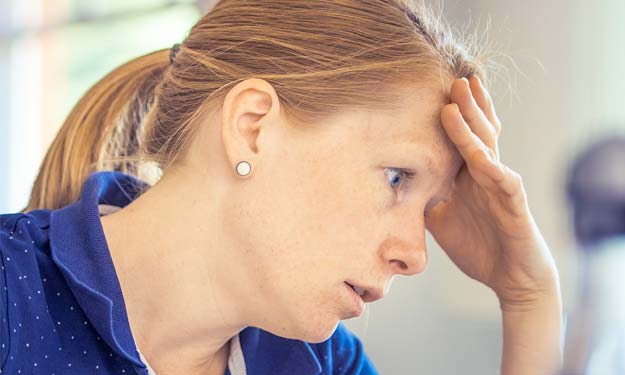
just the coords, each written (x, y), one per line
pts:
(357, 302)
(371, 294)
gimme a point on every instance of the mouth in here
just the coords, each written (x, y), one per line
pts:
(357, 302)
(367, 294)
(359, 290)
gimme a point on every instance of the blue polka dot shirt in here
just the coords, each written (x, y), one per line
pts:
(63, 310)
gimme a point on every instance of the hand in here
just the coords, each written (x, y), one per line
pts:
(486, 228)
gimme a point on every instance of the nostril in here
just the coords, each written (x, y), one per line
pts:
(402, 264)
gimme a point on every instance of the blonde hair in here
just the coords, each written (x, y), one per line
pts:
(321, 57)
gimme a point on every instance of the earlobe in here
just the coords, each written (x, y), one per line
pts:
(247, 107)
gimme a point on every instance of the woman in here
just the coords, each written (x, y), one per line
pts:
(305, 147)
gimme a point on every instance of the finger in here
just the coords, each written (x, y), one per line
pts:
(485, 102)
(481, 162)
(504, 181)
(487, 170)
(461, 94)
(510, 181)
(472, 149)
(459, 131)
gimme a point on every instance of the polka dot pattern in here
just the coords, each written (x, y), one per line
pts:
(43, 328)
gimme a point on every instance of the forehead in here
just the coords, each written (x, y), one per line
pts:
(413, 128)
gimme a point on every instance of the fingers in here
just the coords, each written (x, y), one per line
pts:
(472, 125)
(481, 160)
(485, 168)
(510, 181)
(462, 95)
(485, 102)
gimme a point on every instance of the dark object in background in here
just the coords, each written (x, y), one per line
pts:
(595, 343)
(596, 191)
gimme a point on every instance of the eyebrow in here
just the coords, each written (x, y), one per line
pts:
(411, 143)
(446, 195)
(429, 161)
(430, 164)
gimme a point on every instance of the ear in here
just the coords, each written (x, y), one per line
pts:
(247, 108)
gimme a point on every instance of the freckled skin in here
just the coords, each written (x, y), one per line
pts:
(219, 252)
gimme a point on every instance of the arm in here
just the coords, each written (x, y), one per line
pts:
(532, 337)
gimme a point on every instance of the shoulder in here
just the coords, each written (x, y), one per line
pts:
(24, 230)
(22, 237)
(21, 226)
(344, 353)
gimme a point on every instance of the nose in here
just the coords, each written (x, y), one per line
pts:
(405, 257)
(404, 249)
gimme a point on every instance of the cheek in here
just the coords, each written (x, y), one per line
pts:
(309, 230)
(275, 220)
(303, 237)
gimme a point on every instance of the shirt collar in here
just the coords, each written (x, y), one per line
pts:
(267, 353)
(78, 247)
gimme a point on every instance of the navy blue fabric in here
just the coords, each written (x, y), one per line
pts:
(63, 311)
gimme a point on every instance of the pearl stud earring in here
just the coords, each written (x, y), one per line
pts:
(243, 168)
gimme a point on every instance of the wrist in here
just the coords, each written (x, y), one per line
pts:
(532, 301)
(533, 296)
(533, 338)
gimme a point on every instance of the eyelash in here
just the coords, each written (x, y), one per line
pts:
(408, 174)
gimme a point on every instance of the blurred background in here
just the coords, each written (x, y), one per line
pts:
(560, 89)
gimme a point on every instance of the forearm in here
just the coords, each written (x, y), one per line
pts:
(532, 338)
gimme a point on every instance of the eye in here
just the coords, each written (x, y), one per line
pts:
(396, 175)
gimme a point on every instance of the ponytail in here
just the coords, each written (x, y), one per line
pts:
(103, 128)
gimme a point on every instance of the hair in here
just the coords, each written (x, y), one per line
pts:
(321, 57)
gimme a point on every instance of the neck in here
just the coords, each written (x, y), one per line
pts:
(180, 290)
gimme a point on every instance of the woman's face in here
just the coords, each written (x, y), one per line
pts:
(325, 207)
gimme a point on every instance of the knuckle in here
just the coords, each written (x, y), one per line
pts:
(450, 113)
(492, 132)
(488, 103)
(517, 177)
(472, 115)
(497, 127)
(465, 143)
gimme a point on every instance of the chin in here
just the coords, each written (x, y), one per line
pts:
(312, 329)
(318, 330)
(310, 320)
